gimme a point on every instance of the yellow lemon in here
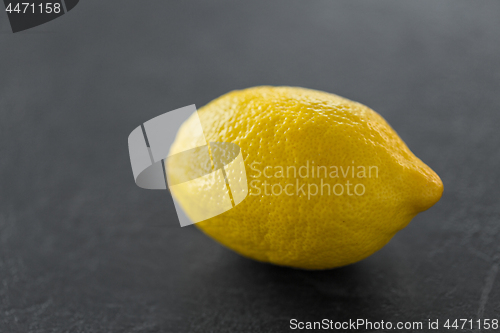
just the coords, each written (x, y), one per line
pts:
(330, 182)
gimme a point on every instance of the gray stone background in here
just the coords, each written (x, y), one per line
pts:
(82, 249)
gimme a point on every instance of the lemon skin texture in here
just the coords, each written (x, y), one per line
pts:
(289, 126)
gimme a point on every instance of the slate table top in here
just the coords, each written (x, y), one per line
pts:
(82, 249)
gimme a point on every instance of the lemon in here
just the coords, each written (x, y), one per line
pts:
(330, 182)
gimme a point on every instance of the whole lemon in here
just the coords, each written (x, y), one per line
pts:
(330, 182)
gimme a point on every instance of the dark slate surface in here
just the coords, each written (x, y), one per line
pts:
(82, 249)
